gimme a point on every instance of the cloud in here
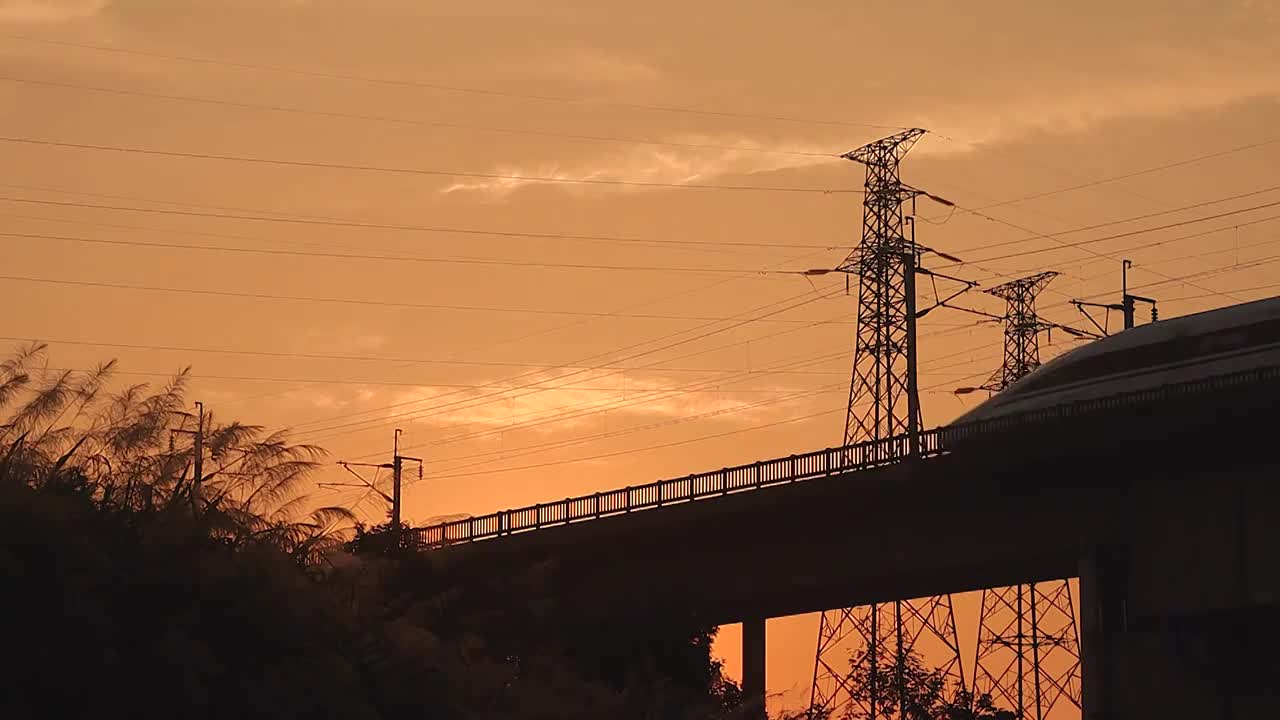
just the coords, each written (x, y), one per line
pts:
(607, 402)
(50, 11)
(1159, 83)
(689, 160)
(1154, 83)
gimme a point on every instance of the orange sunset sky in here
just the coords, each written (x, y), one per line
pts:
(355, 216)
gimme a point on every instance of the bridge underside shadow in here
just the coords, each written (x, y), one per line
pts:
(1169, 512)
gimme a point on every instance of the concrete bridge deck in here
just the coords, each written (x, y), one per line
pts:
(1165, 504)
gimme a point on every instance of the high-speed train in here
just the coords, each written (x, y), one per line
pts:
(1217, 342)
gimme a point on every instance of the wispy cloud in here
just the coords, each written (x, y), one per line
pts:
(608, 400)
(50, 11)
(689, 160)
(1161, 83)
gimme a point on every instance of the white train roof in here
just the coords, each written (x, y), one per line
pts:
(1184, 326)
(1197, 324)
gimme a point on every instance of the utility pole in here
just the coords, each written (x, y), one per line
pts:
(1039, 618)
(199, 450)
(1126, 306)
(396, 466)
(197, 453)
(883, 403)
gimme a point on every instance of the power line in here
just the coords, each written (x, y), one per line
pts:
(643, 449)
(1255, 288)
(1180, 238)
(1135, 173)
(362, 358)
(410, 121)
(534, 386)
(651, 396)
(1212, 271)
(618, 453)
(1176, 279)
(1130, 233)
(663, 394)
(655, 395)
(1060, 242)
(676, 245)
(545, 447)
(608, 435)
(334, 222)
(575, 460)
(377, 303)
(643, 304)
(179, 203)
(313, 164)
(590, 410)
(447, 88)
(1134, 218)
(701, 438)
(576, 365)
(277, 252)
(388, 383)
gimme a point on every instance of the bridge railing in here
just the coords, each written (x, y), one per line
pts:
(795, 468)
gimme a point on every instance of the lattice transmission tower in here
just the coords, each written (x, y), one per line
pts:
(883, 403)
(1028, 652)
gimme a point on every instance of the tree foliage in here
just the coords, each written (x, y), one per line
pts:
(922, 693)
(135, 587)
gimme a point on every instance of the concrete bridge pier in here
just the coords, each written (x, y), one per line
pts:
(1101, 620)
(753, 679)
(1178, 613)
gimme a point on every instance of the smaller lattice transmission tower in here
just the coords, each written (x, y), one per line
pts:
(1028, 652)
(1022, 328)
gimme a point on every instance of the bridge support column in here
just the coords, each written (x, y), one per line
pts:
(753, 682)
(1095, 651)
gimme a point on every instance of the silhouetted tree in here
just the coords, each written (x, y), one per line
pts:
(922, 694)
(134, 588)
